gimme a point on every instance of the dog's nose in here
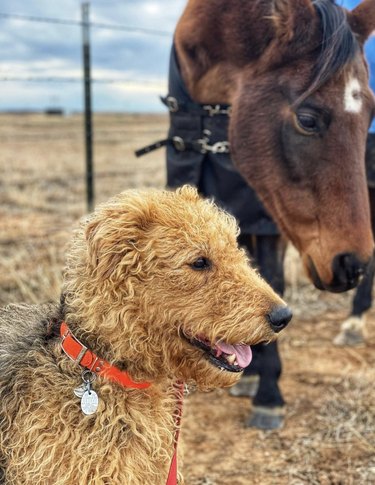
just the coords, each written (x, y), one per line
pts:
(279, 318)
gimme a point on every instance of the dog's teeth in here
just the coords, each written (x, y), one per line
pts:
(231, 358)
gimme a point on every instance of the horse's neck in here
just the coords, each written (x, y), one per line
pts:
(215, 39)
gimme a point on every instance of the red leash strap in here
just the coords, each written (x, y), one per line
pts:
(81, 355)
(172, 476)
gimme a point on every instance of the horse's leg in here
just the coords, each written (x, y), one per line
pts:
(268, 402)
(260, 379)
(353, 331)
(249, 383)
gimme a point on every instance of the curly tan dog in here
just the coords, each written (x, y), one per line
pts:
(158, 290)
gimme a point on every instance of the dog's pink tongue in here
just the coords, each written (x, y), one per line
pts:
(243, 352)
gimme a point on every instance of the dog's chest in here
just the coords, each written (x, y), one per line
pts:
(128, 440)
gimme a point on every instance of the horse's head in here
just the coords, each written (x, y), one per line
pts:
(296, 77)
(300, 119)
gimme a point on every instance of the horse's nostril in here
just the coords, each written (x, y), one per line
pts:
(279, 318)
(347, 269)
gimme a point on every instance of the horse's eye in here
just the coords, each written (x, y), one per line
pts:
(201, 264)
(308, 122)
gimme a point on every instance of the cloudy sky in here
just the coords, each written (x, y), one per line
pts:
(35, 50)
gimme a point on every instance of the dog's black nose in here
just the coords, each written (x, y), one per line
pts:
(279, 318)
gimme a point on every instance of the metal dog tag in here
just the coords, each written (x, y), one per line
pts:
(80, 390)
(89, 402)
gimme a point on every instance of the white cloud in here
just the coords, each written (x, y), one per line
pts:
(151, 8)
(30, 49)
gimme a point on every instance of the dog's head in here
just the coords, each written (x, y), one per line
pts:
(157, 281)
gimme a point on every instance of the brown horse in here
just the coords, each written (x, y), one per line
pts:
(296, 78)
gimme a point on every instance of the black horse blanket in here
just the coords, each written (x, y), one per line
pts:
(212, 173)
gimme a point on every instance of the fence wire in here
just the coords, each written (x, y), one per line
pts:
(78, 23)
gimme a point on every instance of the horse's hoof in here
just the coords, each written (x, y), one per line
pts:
(352, 332)
(266, 418)
(350, 339)
(247, 386)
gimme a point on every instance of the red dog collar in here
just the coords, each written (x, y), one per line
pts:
(81, 355)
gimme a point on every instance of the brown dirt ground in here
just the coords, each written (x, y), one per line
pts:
(329, 432)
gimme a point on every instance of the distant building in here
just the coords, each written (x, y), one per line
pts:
(54, 111)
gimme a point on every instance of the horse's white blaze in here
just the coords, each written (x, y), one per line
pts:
(352, 97)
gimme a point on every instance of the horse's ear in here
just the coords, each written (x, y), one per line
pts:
(292, 19)
(362, 19)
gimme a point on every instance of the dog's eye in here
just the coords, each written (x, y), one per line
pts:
(201, 264)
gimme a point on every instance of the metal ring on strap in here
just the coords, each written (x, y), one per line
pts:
(179, 143)
(172, 104)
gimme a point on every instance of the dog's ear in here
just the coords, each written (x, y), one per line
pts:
(113, 237)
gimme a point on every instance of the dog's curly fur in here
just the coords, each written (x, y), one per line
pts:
(130, 294)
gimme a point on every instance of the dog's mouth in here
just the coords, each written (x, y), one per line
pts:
(232, 358)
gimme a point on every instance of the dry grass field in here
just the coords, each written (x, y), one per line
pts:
(329, 432)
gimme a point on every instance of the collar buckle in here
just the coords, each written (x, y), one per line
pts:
(82, 352)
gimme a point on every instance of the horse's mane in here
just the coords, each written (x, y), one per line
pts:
(338, 43)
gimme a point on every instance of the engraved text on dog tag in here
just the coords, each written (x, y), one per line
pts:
(89, 402)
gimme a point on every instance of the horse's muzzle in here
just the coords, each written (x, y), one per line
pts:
(347, 269)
